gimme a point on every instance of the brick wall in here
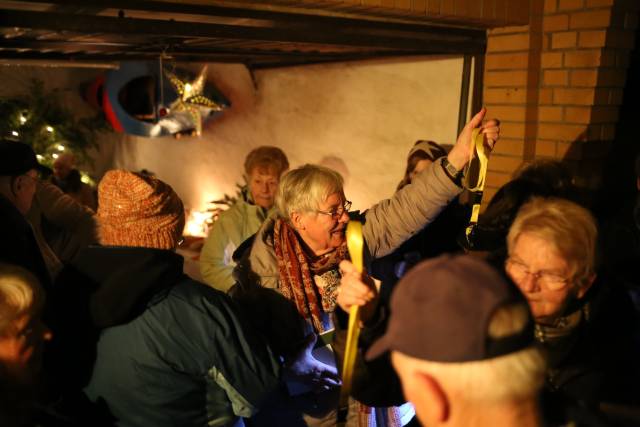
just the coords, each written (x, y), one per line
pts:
(557, 84)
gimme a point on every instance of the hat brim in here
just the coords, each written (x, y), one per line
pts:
(378, 348)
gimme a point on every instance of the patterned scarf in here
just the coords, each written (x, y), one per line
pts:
(300, 274)
(297, 269)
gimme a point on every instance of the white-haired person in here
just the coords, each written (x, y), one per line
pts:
(290, 275)
(22, 338)
(263, 167)
(461, 340)
(585, 323)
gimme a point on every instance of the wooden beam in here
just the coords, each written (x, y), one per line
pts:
(321, 15)
(422, 42)
(252, 61)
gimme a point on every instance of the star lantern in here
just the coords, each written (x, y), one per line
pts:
(191, 98)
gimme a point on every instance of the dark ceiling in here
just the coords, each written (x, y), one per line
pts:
(99, 31)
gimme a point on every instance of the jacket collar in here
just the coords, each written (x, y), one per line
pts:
(127, 279)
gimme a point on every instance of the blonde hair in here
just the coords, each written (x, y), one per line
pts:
(515, 376)
(20, 293)
(566, 225)
(267, 157)
(303, 189)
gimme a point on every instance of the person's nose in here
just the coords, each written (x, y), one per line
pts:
(344, 217)
(529, 283)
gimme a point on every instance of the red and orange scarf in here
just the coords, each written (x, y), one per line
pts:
(297, 266)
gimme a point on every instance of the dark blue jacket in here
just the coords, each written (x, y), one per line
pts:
(174, 352)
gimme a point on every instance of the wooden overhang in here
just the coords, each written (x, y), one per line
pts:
(258, 34)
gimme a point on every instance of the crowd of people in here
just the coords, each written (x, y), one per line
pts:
(521, 321)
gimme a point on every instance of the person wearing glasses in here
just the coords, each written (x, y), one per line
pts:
(585, 325)
(290, 275)
(18, 183)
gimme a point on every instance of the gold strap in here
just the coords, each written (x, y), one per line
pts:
(355, 244)
(475, 176)
(476, 169)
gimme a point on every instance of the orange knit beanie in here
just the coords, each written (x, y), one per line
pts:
(138, 210)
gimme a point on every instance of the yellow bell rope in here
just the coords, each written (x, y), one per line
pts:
(355, 244)
(476, 188)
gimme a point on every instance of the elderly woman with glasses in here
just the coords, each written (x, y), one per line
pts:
(585, 326)
(297, 251)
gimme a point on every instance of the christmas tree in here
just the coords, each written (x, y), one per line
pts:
(39, 119)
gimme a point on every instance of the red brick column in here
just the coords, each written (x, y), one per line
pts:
(557, 84)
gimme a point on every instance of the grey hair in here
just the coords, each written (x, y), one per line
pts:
(566, 225)
(303, 189)
(20, 293)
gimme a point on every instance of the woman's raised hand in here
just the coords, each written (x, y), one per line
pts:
(459, 154)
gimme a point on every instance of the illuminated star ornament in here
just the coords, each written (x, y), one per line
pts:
(191, 98)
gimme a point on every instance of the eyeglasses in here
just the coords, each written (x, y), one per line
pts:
(337, 212)
(546, 279)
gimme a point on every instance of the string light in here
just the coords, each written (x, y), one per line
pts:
(87, 179)
(23, 119)
(54, 155)
(60, 147)
(49, 129)
(15, 133)
(40, 157)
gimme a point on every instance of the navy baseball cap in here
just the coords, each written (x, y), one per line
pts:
(441, 310)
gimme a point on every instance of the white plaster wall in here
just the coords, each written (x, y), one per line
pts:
(360, 118)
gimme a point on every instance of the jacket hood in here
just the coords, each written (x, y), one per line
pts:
(126, 279)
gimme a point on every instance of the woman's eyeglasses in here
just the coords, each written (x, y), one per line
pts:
(337, 212)
(546, 279)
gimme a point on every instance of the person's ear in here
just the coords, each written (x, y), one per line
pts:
(297, 219)
(431, 398)
(17, 184)
(582, 290)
